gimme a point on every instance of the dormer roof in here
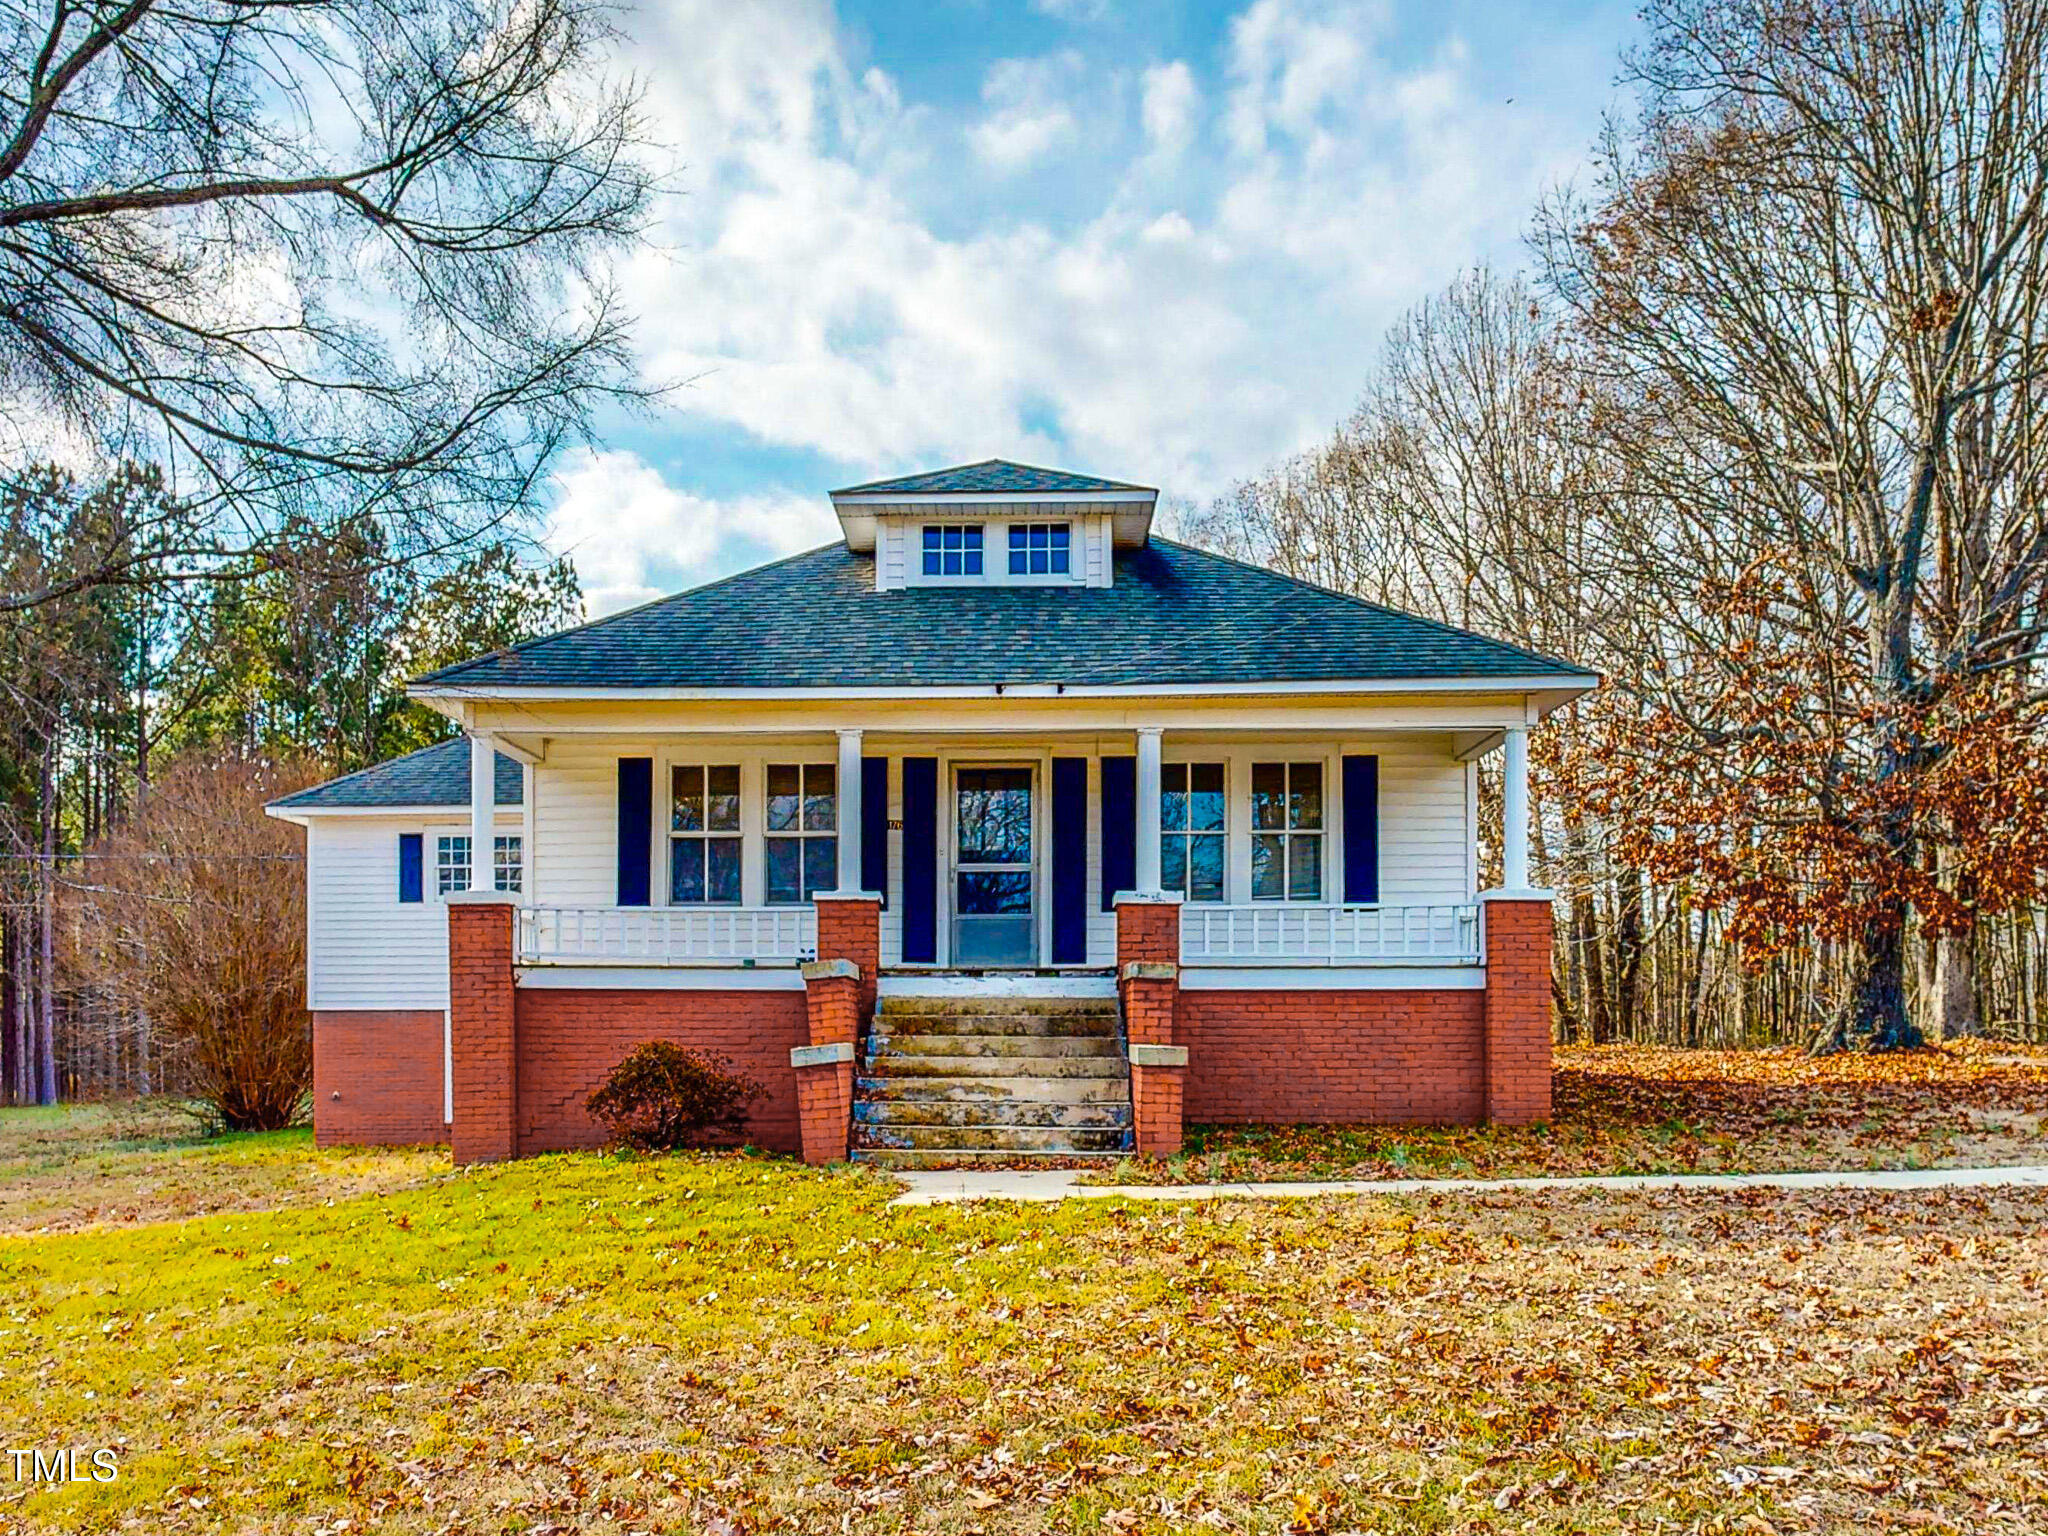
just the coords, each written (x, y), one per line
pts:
(995, 485)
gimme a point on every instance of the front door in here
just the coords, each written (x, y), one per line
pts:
(995, 919)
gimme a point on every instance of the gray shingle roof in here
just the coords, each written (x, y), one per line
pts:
(1174, 615)
(436, 775)
(990, 476)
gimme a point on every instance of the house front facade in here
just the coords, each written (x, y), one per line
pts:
(1002, 828)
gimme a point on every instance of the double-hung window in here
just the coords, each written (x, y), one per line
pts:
(1040, 549)
(1287, 831)
(508, 864)
(452, 864)
(704, 834)
(802, 831)
(952, 549)
(1191, 829)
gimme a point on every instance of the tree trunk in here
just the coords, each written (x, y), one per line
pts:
(1877, 1019)
(46, 1044)
(1954, 998)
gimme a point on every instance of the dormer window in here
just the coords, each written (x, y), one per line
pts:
(952, 549)
(1040, 549)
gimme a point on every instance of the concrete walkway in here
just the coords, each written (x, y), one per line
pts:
(948, 1186)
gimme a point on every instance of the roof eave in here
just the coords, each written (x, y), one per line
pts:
(1552, 688)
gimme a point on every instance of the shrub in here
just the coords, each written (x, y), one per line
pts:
(662, 1097)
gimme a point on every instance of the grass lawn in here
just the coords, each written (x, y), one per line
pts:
(718, 1344)
(1643, 1109)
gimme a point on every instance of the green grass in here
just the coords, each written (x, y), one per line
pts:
(586, 1342)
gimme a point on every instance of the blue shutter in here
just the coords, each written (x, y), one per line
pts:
(1119, 827)
(636, 830)
(920, 859)
(410, 862)
(1069, 860)
(874, 826)
(1361, 829)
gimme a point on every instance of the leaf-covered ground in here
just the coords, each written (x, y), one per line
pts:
(713, 1344)
(1645, 1109)
(74, 1166)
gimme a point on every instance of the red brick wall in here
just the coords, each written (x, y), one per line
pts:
(1147, 930)
(568, 1041)
(377, 1077)
(1343, 1057)
(1518, 1007)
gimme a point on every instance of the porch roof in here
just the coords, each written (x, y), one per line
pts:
(436, 775)
(1174, 616)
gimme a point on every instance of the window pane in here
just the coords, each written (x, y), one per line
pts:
(1266, 870)
(1269, 794)
(782, 797)
(1059, 560)
(685, 870)
(722, 807)
(1205, 868)
(931, 538)
(785, 865)
(931, 562)
(1173, 862)
(1018, 532)
(991, 893)
(1173, 796)
(723, 856)
(1017, 562)
(1305, 808)
(973, 539)
(952, 562)
(1305, 869)
(821, 864)
(507, 864)
(686, 799)
(992, 815)
(820, 812)
(451, 865)
(974, 559)
(1206, 810)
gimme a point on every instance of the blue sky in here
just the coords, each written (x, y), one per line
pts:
(1150, 241)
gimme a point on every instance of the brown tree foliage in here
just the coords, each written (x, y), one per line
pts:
(193, 917)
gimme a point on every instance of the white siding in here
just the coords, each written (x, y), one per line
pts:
(365, 947)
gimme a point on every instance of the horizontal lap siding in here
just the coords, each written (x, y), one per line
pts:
(1424, 831)
(1339, 1057)
(575, 825)
(569, 1040)
(366, 948)
(377, 1077)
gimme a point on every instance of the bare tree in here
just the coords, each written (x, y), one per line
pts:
(1808, 284)
(324, 260)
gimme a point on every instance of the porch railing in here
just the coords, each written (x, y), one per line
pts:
(666, 935)
(1284, 933)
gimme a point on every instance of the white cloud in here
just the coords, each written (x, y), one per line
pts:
(1180, 320)
(1171, 100)
(634, 537)
(1028, 115)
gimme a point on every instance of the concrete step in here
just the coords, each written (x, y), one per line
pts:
(992, 1111)
(899, 1006)
(891, 1047)
(883, 1157)
(892, 1088)
(905, 1025)
(1000, 1067)
(991, 1138)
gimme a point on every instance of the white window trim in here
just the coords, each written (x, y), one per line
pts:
(800, 834)
(1225, 760)
(913, 555)
(666, 764)
(1076, 573)
(1329, 831)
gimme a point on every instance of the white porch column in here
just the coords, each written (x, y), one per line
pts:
(1148, 810)
(849, 811)
(1514, 812)
(483, 782)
